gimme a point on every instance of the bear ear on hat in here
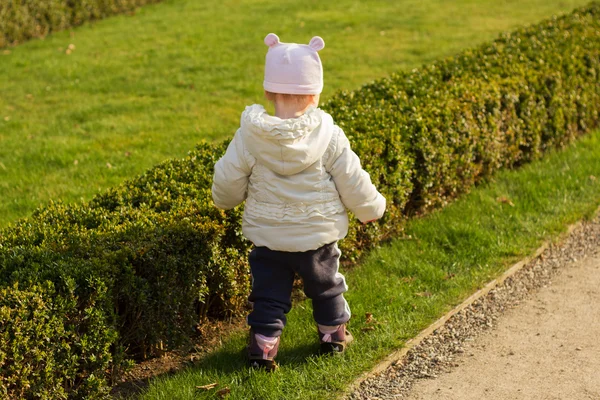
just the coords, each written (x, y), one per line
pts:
(317, 43)
(272, 40)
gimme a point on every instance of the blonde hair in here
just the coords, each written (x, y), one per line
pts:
(302, 100)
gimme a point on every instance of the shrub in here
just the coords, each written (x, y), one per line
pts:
(52, 346)
(153, 258)
(21, 20)
(450, 124)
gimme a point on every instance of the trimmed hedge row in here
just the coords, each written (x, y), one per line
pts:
(148, 255)
(152, 259)
(460, 119)
(21, 20)
(52, 347)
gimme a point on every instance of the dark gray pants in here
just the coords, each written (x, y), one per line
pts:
(272, 279)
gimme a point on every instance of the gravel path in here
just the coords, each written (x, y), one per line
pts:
(454, 343)
(547, 348)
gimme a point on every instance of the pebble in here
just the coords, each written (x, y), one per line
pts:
(438, 353)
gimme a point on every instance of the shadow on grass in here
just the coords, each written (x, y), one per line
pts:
(228, 360)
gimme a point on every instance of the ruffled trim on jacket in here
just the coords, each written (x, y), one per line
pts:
(292, 211)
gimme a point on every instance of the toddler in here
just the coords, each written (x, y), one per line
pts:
(297, 174)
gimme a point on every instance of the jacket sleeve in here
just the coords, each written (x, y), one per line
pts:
(232, 171)
(354, 183)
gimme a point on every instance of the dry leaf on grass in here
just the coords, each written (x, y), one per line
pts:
(505, 200)
(369, 317)
(207, 387)
(223, 392)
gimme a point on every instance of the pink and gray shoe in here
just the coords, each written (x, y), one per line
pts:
(335, 342)
(262, 351)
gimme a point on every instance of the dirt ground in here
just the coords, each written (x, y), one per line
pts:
(546, 348)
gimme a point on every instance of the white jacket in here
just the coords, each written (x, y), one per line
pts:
(297, 176)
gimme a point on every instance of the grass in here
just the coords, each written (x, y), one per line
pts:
(409, 282)
(139, 89)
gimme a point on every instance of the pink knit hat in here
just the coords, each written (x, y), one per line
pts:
(293, 68)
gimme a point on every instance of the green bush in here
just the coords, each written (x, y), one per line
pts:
(21, 20)
(52, 346)
(460, 119)
(153, 258)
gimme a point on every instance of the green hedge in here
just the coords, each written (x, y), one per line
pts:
(53, 347)
(153, 258)
(21, 20)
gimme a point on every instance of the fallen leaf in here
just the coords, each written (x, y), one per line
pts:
(407, 279)
(369, 317)
(505, 200)
(449, 276)
(108, 165)
(368, 328)
(223, 392)
(207, 387)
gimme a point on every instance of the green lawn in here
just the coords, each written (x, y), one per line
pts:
(136, 90)
(408, 283)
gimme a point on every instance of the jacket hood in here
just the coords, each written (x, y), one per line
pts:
(286, 146)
